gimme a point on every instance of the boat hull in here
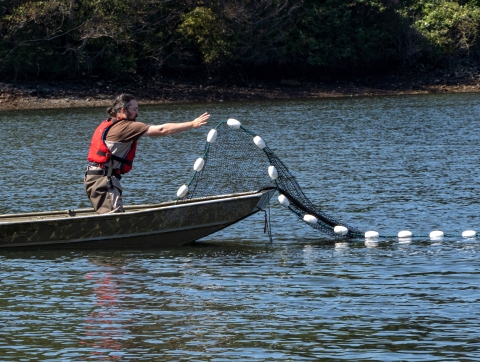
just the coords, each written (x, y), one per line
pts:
(166, 224)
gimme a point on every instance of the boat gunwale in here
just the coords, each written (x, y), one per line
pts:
(135, 209)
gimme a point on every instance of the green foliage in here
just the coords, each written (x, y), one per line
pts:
(208, 33)
(449, 27)
(61, 38)
(233, 32)
(350, 33)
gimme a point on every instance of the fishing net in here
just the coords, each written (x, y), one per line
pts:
(237, 160)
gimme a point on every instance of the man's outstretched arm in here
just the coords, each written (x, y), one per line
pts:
(172, 128)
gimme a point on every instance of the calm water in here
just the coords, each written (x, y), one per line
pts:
(382, 164)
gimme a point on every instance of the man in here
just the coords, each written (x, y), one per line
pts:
(113, 147)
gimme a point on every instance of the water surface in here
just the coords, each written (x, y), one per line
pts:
(386, 163)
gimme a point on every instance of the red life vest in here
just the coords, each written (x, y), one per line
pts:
(100, 153)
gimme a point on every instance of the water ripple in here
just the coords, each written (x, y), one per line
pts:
(380, 163)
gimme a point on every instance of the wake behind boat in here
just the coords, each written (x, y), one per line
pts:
(165, 224)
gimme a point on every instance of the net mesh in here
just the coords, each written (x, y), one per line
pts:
(235, 164)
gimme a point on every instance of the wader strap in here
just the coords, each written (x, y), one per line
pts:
(110, 168)
(109, 173)
(121, 160)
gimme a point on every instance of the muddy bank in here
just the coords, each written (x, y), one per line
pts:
(97, 92)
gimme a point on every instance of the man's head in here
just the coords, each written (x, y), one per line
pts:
(125, 106)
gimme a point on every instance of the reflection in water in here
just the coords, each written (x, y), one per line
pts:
(244, 301)
(405, 240)
(371, 243)
(342, 245)
(105, 326)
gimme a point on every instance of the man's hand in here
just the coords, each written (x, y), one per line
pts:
(200, 121)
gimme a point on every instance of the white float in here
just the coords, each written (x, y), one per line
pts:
(371, 234)
(405, 234)
(272, 172)
(310, 219)
(198, 165)
(234, 123)
(283, 200)
(469, 233)
(259, 142)
(212, 136)
(340, 230)
(182, 191)
(436, 234)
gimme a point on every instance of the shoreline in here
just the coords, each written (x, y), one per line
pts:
(101, 93)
